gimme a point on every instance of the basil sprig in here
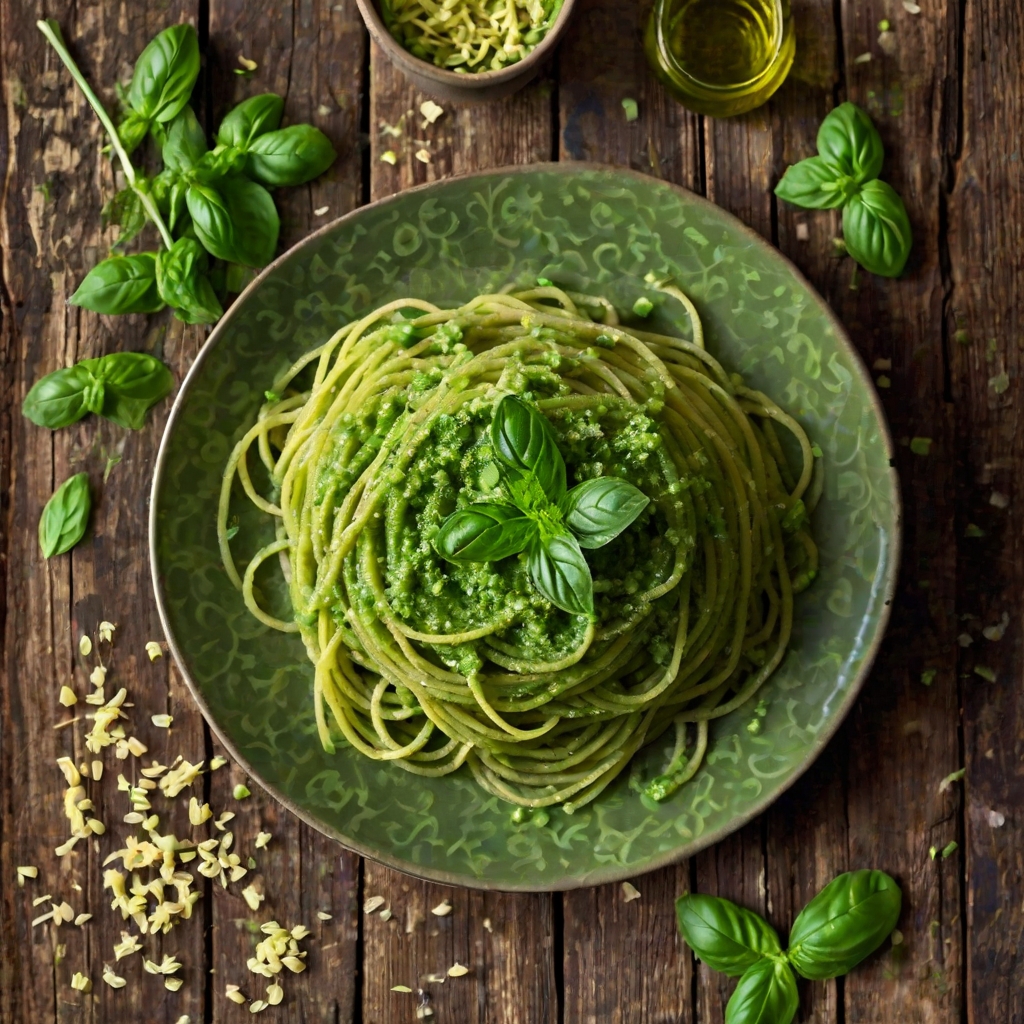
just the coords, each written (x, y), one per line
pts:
(846, 922)
(217, 199)
(121, 387)
(539, 515)
(844, 175)
(65, 516)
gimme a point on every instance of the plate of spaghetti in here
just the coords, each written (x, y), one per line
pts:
(527, 530)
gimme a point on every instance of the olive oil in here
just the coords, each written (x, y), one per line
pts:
(721, 57)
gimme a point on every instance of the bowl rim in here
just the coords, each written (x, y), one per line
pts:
(598, 877)
(399, 55)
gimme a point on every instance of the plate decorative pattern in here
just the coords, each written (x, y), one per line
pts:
(588, 229)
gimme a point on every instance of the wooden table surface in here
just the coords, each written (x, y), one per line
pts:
(948, 103)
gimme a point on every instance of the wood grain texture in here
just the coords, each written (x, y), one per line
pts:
(313, 54)
(983, 325)
(903, 735)
(508, 941)
(51, 235)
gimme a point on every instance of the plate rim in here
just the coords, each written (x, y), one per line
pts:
(601, 876)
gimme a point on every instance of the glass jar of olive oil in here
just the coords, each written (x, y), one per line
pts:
(721, 57)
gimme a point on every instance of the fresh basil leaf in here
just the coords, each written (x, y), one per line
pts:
(290, 156)
(486, 532)
(847, 921)
(120, 284)
(134, 382)
(524, 442)
(766, 994)
(813, 185)
(125, 211)
(597, 511)
(183, 283)
(164, 74)
(250, 119)
(726, 937)
(220, 162)
(186, 142)
(849, 143)
(131, 131)
(236, 221)
(65, 516)
(560, 572)
(63, 397)
(876, 229)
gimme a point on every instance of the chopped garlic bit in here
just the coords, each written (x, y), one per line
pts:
(423, 155)
(372, 903)
(233, 993)
(154, 650)
(323, 915)
(431, 111)
(173, 984)
(162, 721)
(443, 909)
(457, 970)
(98, 676)
(253, 897)
(274, 994)
(67, 696)
(112, 979)
(80, 983)
(389, 156)
(262, 839)
(85, 645)
(629, 892)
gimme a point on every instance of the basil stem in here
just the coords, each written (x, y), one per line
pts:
(51, 30)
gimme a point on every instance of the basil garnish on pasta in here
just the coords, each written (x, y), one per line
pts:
(526, 538)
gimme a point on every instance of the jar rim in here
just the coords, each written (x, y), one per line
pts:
(671, 64)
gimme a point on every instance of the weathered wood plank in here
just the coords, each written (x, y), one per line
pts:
(624, 963)
(312, 54)
(57, 179)
(983, 327)
(506, 940)
(806, 832)
(903, 735)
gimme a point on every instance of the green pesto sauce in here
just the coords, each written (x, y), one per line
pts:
(454, 467)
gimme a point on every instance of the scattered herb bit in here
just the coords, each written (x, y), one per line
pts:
(542, 282)
(631, 109)
(949, 848)
(884, 382)
(974, 531)
(241, 792)
(816, 451)
(1000, 383)
(928, 676)
(951, 778)
(65, 517)
(921, 445)
(985, 672)
(844, 174)
(883, 25)
(643, 306)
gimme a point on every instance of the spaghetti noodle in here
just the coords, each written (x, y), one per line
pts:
(371, 440)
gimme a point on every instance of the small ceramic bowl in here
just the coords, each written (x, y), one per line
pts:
(464, 87)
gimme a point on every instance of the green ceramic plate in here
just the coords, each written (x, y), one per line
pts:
(586, 228)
